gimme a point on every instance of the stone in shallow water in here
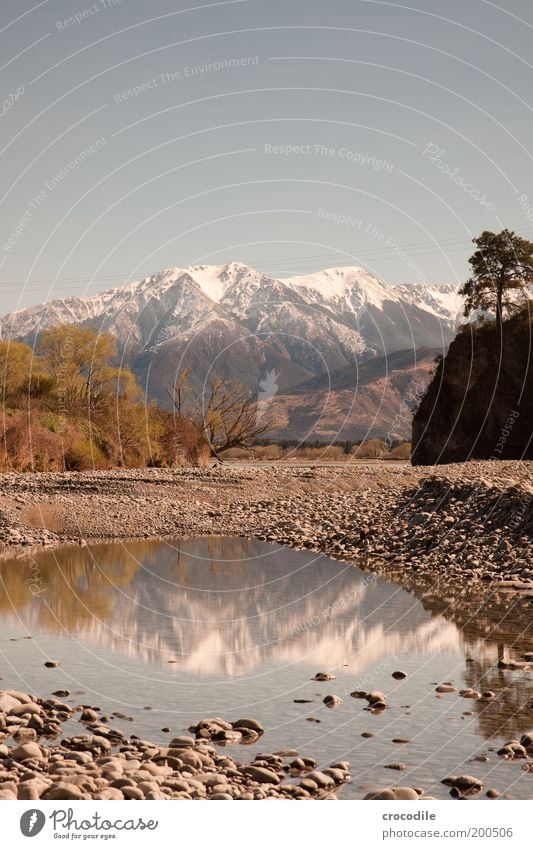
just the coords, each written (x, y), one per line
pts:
(262, 775)
(445, 688)
(251, 724)
(332, 701)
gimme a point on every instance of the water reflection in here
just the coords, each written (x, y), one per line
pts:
(220, 606)
(225, 607)
(235, 627)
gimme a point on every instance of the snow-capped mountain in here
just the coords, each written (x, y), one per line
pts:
(237, 322)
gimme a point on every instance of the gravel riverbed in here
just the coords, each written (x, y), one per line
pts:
(473, 520)
(466, 526)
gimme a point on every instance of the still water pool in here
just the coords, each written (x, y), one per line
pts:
(172, 631)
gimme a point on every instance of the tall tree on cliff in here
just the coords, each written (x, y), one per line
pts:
(501, 265)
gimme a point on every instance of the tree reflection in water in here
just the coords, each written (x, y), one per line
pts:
(222, 607)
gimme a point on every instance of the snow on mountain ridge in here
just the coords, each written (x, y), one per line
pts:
(334, 309)
(335, 283)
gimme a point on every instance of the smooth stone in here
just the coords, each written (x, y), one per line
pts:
(8, 702)
(251, 724)
(261, 774)
(65, 791)
(182, 742)
(324, 781)
(405, 793)
(332, 700)
(376, 697)
(28, 707)
(26, 751)
(385, 794)
(89, 715)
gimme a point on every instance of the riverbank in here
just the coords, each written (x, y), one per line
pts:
(103, 763)
(473, 520)
(459, 539)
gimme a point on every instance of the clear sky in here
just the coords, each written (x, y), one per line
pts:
(292, 135)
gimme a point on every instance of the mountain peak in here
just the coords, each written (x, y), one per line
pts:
(345, 310)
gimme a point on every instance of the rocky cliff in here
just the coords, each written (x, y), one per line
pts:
(479, 404)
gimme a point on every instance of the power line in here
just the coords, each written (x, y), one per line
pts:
(413, 250)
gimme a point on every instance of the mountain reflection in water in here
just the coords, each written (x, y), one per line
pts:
(219, 606)
(233, 627)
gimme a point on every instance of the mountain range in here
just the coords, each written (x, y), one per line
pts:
(237, 323)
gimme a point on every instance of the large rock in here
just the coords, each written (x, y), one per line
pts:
(478, 405)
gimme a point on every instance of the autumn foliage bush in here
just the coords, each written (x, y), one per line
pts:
(69, 405)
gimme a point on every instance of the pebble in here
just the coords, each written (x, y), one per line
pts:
(376, 700)
(332, 701)
(88, 766)
(394, 793)
(427, 521)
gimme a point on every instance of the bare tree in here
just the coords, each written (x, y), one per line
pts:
(226, 413)
(178, 393)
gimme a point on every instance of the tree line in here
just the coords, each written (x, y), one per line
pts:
(69, 403)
